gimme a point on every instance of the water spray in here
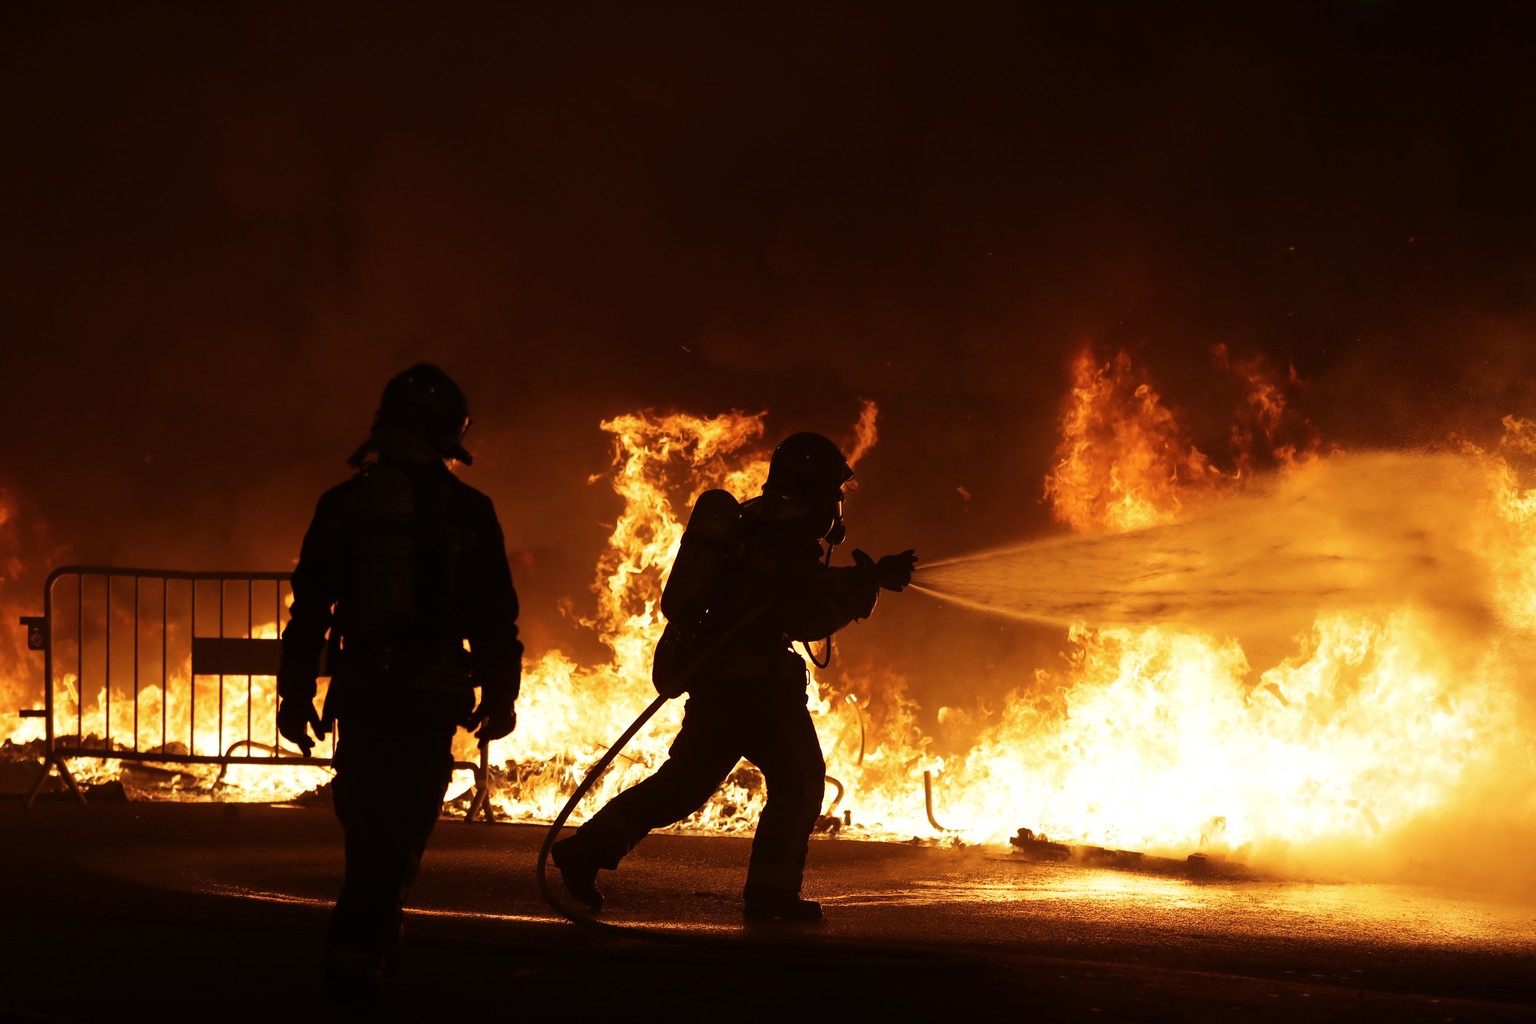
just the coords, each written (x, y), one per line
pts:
(1361, 532)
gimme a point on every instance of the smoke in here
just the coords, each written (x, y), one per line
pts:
(234, 224)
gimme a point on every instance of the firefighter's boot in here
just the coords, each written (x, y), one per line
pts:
(578, 871)
(766, 903)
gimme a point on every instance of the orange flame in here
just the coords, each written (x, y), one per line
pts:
(1169, 739)
(1377, 726)
(1124, 461)
(568, 714)
(19, 688)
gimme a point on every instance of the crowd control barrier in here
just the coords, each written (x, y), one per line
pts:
(167, 667)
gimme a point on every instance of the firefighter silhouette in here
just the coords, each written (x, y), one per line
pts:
(403, 582)
(750, 579)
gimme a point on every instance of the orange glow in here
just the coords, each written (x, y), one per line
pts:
(17, 689)
(1399, 707)
(569, 713)
(1396, 710)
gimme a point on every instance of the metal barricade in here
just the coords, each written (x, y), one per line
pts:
(167, 667)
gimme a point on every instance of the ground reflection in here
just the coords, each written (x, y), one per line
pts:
(1386, 914)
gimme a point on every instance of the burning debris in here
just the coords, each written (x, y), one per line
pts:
(1027, 843)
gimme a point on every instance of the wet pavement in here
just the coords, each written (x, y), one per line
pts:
(210, 911)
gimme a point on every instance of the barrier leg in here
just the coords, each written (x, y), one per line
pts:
(49, 763)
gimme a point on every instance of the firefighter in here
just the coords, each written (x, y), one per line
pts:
(403, 583)
(749, 699)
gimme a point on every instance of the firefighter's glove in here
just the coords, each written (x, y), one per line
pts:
(296, 716)
(892, 572)
(491, 723)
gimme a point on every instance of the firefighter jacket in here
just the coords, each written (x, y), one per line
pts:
(795, 595)
(403, 583)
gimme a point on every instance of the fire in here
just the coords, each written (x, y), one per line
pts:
(204, 716)
(1397, 707)
(1162, 740)
(568, 714)
(1126, 460)
(13, 656)
(1391, 717)
(1508, 538)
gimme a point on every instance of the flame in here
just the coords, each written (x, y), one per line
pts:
(1160, 740)
(18, 686)
(1508, 539)
(206, 716)
(1263, 418)
(1378, 732)
(1124, 460)
(1383, 718)
(568, 713)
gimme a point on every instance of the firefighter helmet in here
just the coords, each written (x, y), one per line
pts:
(810, 470)
(809, 467)
(426, 402)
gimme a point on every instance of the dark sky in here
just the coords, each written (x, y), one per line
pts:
(225, 225)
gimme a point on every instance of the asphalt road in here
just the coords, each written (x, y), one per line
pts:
(215, 912)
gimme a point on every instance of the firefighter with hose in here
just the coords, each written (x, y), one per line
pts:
(403, 582)
(750, 579)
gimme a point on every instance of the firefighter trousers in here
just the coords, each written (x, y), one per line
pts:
(777, 737)
(393, 765)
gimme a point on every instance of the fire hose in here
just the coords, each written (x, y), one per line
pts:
(541, 871)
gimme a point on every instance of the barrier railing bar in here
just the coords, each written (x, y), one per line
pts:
(277, 619)
(136, 610)
(191, 682)
(106, 665)
(80, 657)
(250, 627)
(158, 757)
(218, 732)
(165, 657)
